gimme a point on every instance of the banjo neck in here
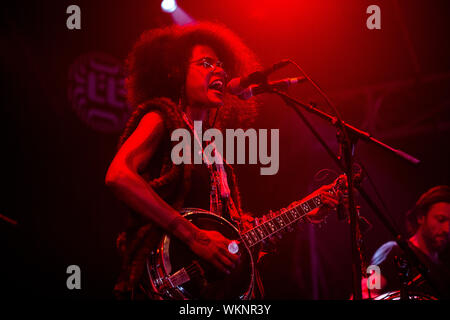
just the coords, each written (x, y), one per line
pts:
(274, 224)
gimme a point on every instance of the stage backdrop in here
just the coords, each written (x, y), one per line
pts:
(63, 108)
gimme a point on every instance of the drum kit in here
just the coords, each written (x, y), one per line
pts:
(396, 295)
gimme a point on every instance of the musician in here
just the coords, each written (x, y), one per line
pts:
(177, 75)
(429, 225)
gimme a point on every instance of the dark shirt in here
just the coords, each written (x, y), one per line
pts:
(199, 192)
(388, 256)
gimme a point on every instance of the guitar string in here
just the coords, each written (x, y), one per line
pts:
(281, 227)
(192, 270)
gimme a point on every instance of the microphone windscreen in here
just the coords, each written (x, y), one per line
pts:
(234, 86)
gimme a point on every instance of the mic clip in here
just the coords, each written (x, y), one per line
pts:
(257, 77)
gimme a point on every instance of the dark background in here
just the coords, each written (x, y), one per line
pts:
(393, 82)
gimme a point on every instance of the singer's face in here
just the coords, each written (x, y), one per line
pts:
(205, 80)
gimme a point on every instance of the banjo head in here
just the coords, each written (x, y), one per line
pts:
(204, 280)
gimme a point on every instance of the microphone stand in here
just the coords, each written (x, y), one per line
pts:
(347, 138)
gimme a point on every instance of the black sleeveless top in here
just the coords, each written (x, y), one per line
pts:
(199, 192)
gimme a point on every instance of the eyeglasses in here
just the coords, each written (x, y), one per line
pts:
(208, 63)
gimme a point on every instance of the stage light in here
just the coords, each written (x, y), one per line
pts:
(169, 6)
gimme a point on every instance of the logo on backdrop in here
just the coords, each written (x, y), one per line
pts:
(96, 92)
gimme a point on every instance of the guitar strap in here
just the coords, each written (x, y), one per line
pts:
(221, 203)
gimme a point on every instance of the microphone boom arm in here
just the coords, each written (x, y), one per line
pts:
(401, 241)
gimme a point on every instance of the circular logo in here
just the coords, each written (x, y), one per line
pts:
(97, 93)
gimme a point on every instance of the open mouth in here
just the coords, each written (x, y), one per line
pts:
(217, 85)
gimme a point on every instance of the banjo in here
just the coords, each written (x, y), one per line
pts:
(176, 273)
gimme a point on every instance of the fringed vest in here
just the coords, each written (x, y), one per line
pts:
(171, 182)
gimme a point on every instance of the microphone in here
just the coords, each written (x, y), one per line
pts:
(262, 88)
(237, 85)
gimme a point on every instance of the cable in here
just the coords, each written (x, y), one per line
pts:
(316, 86)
